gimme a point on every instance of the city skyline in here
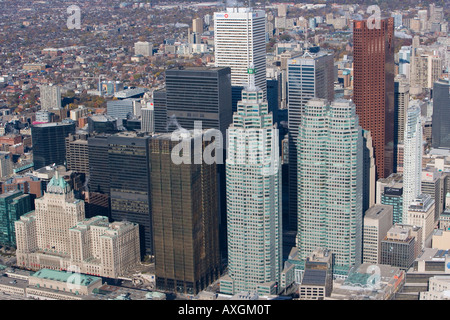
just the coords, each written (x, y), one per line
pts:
(224, 151)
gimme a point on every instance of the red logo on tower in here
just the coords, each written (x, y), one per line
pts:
(226, 15)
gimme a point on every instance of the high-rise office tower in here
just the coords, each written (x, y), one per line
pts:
(185, 215)
(433, 184)
(412, 159)
(160, 110)
(441, 114)
(401, 101)
(199, 94)
(98, 164)
(49, 142)
(129, 179)
(143, 48)
(77, 154)
(148, 118)
(373, 87)
(330, 164)
(197, 25)
(239, 41)
(50, 96)
(420, 213)
(309, 76)
(13, 205)
(401, 92)
(377, 222)
(98, 177)
(426, 67)
(254, 217)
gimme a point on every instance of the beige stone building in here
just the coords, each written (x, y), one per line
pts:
(377, 222)
(438, 289)
(421, 214)
(57, 236)
(426, 67)
(441, 239)
(65, 282)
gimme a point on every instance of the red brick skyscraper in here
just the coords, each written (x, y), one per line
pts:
(373, 88)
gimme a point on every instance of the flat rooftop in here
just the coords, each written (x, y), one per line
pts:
(433, 254)
(393, 179)
(52, 124)
(378, 211)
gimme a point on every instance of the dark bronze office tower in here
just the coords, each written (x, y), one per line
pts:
(185, 218)
(98, 164)
(49, 145)
(97, 180)
(128, 165)
(202, 94)
(373, 87)
(160, 110)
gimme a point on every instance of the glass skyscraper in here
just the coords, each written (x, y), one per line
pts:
(373, 87)
(412, 159)
(49, 142)
(330, 177)
(12, 205)
(129, 183)
(185, 215)
(441, 114)
(309, 76)
(253, 181)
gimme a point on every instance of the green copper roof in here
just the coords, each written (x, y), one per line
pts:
(58, 182)
(63, 276)
(58, 185)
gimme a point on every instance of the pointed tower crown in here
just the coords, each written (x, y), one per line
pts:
(58, 185)
(251, 79)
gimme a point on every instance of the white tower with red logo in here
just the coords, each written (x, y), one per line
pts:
(240, 41)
